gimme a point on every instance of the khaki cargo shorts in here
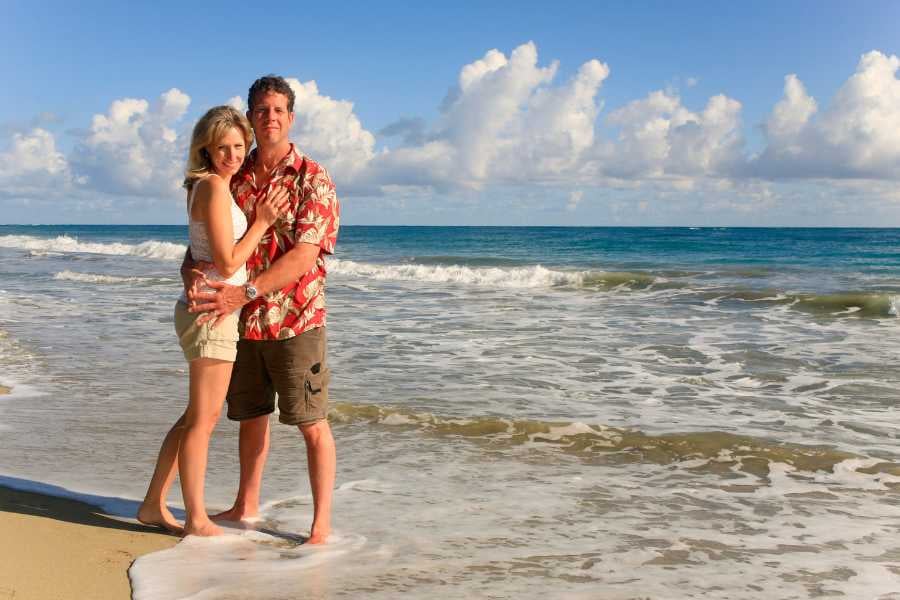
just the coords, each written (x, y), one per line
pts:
(205, 341)
(295, 369)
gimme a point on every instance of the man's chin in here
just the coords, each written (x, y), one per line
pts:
(269, 140)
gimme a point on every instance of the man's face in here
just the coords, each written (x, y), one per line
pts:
(270, 118)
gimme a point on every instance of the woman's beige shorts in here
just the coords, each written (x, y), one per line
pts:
(206, 341)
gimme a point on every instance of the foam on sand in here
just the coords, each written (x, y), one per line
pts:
(244, 563)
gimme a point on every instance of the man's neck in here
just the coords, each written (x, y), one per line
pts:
(268, 157)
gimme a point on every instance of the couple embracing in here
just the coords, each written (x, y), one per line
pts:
(251, 322)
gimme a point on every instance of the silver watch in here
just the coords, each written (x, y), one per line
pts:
(250, 291)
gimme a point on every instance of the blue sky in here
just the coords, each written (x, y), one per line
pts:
(641, 138)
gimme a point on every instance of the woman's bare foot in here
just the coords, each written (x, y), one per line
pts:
(205, 529)
(155, 516)
(236, 515)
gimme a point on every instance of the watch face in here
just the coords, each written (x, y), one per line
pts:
(250, 291)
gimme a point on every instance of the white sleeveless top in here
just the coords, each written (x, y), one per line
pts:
(199, 239)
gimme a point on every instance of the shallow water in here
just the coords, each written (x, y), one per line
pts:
(565, 413)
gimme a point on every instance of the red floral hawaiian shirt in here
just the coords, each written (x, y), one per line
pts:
(313, 217)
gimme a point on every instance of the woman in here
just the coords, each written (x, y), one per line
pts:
(218, 235)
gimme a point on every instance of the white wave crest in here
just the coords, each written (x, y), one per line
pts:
(518, 277)
(149, 249)
(96, 278)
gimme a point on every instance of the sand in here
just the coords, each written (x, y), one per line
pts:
(59, 549)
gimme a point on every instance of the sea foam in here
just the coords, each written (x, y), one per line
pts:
(535, 276)
(66, 244)
(112, 279)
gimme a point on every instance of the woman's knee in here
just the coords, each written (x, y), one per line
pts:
(204, 423)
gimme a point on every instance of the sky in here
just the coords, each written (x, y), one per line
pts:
(630, 113)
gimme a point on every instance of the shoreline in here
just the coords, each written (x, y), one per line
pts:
(54, 547)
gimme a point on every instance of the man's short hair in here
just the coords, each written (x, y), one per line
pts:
(268, 84)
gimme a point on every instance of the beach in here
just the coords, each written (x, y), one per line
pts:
(571, 413)
(57, 548)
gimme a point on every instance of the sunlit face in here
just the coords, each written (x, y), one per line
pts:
(270, 118)
(228, 152)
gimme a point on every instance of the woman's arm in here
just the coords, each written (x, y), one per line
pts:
(214, 197)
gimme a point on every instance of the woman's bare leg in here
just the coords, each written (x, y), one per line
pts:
(153, 510)
(208, 384)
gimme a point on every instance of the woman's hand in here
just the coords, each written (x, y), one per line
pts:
(275, 204)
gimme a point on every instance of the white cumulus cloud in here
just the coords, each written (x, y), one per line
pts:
(33, 154)
(659, 137)
(135, 148)
(237, 102)
(509, 120)
(857, 135)
(503, 122)
(33, 166)
(329, 131)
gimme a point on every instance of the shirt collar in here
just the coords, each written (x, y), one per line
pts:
(292, 160)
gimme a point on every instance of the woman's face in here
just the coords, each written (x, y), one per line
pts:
(227, 153)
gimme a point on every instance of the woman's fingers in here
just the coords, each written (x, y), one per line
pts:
(279, 201)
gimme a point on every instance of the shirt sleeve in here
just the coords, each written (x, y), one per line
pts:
(319, 213)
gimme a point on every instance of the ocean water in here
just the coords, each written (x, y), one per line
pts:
(602, 413)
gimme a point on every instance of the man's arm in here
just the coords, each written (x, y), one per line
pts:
(228, 298)
(187, 268)
(293, 265)
(192, 275)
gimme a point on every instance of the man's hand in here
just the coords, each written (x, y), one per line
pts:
(193, 275)
(219, 304)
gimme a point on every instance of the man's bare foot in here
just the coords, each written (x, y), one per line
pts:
(236, 515)
(318, 536)
(205, 529)
(155, 516)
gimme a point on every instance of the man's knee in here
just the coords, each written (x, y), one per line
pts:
(254, 430)
(315, 432)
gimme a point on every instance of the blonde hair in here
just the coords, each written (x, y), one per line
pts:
(209, 129)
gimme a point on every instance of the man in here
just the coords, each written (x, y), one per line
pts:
(283, 342)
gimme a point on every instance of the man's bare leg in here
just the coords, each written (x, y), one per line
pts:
(321, 459)
(253, 448)
(153, 510)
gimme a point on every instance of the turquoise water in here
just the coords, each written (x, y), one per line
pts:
(519, 412)
(862, 251)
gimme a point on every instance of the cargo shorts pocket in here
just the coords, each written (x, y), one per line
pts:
(315, 392)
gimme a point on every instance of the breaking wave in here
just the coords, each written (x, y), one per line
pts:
(839, 304)
(69, 245)
(514, 277)
(715, 451)
(859, 304)
(97, 278)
